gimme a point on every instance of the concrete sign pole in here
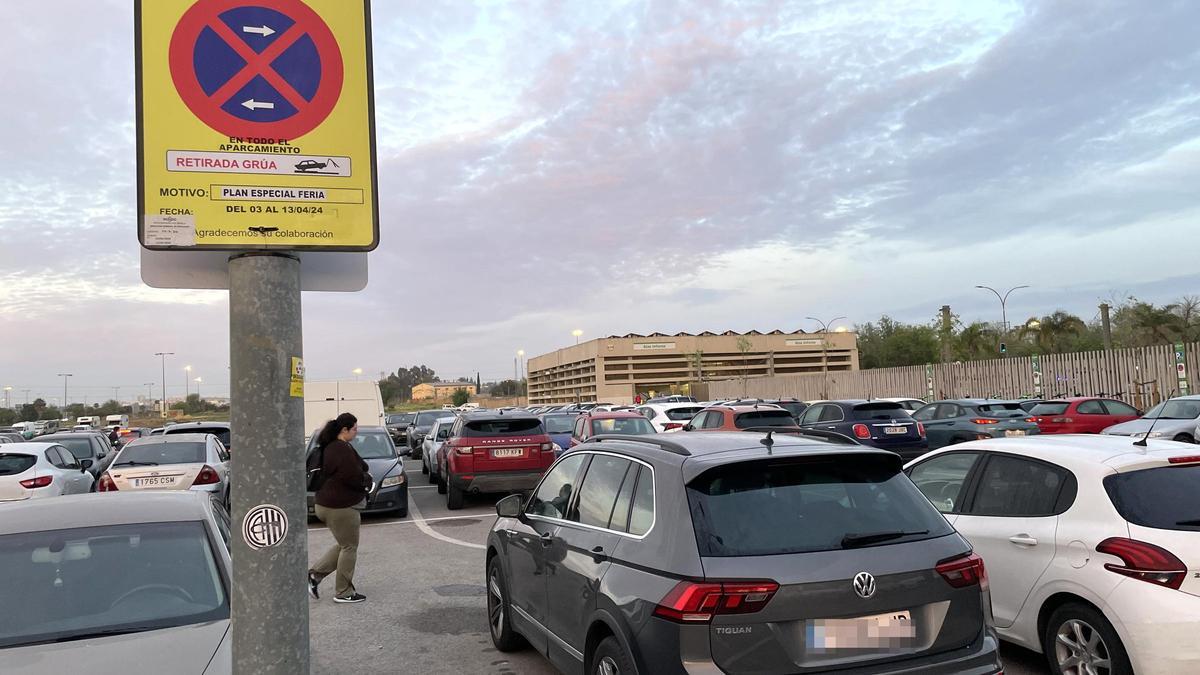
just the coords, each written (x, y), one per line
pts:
(269, 513)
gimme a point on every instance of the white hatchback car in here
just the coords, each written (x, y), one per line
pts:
(1092, 545)
(38, 470)
(669, 416)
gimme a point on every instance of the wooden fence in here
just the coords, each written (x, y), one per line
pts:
(1141, 376)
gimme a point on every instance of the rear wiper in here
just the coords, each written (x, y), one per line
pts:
(855, 539)
(132, 463)
(1189, 523)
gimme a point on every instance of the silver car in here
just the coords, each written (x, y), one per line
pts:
(432, 442)
(39, 470)
(1177, 419)
(196, 462)
(163, 560)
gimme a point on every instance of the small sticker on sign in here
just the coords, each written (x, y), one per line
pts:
(170, 231)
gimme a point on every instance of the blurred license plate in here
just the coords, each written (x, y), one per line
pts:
(154, 481)
(895, 430)
(1014, 432)
(507, 452)
(864, 632)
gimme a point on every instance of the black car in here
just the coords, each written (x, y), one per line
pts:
(419, 428)
(736, 552)
(397, 426)
(881, 424)
(389, 488)
(90, 445)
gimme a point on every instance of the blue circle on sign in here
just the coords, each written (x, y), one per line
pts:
(285, 63)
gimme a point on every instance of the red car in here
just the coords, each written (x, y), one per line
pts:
(594, 424)
(738, 417)
(1085, 415)
(494, 452)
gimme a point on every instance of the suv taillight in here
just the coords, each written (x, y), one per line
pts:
(861, 431)
(984, 420)
(106, 483)
(964, 570)
(546, 447)
(1144, 561)
(920, 430)
(207, 476)
(692, 602)
(672, 425)
(39, 482)
(464, 449)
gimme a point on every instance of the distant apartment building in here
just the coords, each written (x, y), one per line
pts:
(441, 391)
(616, 369)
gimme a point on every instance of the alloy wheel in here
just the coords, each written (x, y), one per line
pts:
(1081, 650)
(495, 605)
(607, 666)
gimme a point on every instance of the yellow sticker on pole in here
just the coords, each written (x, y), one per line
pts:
(256, 126)
(297, 377)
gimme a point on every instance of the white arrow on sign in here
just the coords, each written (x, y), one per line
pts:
(251, 104)
(261, 30)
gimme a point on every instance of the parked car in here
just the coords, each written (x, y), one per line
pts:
(1177, 419)
(433, 441)
(597, 423)
(1085, 415)
(197, 462)
(11, 437)
(738, 417)
(494, 452)
(559, 427)
(40, 469)
(676, 398)
(1092, 545)
(881, 424)
(910, 405)
(389, 481)
(101, 580)
(219, 429)
(713, 553)
(397, 426)
(958, 421)
(420, 426)
(669, 416)
(1029, 404)
(90, 445)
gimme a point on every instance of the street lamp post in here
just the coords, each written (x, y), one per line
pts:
(825, 352)
(64, 376)
(149, 393)
(6, 397)
(1003, 306)
(357, 373)
(163, 356)
(577, 333)
(187, 376)
(199, 381)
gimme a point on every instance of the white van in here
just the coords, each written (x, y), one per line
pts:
(121, 421)
(90, 420)
(324, 401)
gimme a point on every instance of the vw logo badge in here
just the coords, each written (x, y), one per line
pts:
(864, 585)
(265, 525)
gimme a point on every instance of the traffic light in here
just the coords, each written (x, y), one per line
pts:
(1003, 348)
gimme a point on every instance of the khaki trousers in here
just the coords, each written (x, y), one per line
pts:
(341, 557)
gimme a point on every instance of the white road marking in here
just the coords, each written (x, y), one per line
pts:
(412, 521)
(416, 518)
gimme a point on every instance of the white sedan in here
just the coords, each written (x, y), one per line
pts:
(39, 470)
(1092, 545)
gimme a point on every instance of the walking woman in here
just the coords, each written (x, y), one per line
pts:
(345, 481)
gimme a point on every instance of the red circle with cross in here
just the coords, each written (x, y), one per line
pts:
(207, 108)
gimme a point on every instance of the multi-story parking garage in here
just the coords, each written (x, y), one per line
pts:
(618, 368)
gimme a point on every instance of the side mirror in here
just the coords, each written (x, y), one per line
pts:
(687, 427)
(509, 507)
(85, 464)
(404, 452)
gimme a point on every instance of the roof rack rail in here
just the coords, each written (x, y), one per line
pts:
(833, 436)
(648, 439)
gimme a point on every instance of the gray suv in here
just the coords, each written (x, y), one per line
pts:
(736, 553)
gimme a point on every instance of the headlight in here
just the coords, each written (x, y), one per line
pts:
(392, 481)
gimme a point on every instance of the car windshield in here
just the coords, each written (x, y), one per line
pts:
(1163, 498)
(764, 418)
(14, 463)
(80, 446)
(879, 411)
(426, 419)
(170, 452)
(222, 433)
(682, 414)
(521, 426)
(1175, 410)
(404, 419)
(790, 505)
(1050, 408)
(623, 425)
(559, 424)
(82, 582)
(373, 445)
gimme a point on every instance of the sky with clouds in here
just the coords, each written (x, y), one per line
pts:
(636, 167)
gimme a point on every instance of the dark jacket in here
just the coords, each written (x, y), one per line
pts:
(347, 479)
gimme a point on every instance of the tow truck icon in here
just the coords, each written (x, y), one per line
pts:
(313, 166)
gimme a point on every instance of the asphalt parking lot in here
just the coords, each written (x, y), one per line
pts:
(425, 613)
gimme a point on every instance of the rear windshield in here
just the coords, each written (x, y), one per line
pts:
(560, 424)
(400, 419)
(879, 411)
(623, 425)
(795, 408)
(1050, 408)
(183, 452)
(1000, 408)
(685, 413)
(1175, 410)
(221, 433)
(81, 447)
(12, 463)
(789, 505)
(502, 427)
(764, 418)
(1162, 498)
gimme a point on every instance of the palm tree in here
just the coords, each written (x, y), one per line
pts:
(1053, 333)
(976, 341)
(1156, 324)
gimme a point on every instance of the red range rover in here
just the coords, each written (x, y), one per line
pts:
(495, 452)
